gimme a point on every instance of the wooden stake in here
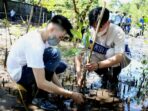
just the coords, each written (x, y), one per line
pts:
(43, 17)
(7, 25)
(30, 17)
(6, 50)
(40, 16)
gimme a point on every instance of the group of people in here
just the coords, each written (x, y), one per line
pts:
(125, 21)
(34, 61)
(122, 20)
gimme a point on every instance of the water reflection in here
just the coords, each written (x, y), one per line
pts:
(128, 86)
(132, 87)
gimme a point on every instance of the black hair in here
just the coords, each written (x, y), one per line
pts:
(124, 14)
(93, 15)
(63, 22)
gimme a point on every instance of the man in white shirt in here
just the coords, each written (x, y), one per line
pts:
(30, 61)
(108, 50)
(12, 15)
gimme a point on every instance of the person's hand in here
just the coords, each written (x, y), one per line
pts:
(91, 66)
(77, 97)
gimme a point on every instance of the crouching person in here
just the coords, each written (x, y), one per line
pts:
(32, 61)
(108, 51)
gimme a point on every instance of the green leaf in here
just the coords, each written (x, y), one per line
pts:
(71, 52)
(76, 33)
(86, 39)
(146, 20)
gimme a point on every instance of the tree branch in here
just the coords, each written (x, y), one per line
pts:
(75, 7)
(83, 13)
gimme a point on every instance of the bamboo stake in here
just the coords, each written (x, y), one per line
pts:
(6, 51)
(30, 17)
(40, 16)
(99, 19)
(43, 17)
(22, 19)
(7, 25)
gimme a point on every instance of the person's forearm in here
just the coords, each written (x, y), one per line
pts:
(56, 80)
(47, 86)
(53, 88)
(78, 63)
(110, 61)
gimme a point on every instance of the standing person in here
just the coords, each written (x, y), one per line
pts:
(123, 22)
(142, 23)
(31, 62)
(12, 15)
(128, 24)
(112, 16)
(118, 19)
(108, 50)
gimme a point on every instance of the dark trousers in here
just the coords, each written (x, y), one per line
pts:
(109, 74)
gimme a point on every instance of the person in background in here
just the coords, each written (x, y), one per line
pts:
(112, 16)
(118, 19)
(123, 22)
(128, 24)
(12, 15)
(142, 24)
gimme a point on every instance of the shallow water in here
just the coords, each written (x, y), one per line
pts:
(131, 79)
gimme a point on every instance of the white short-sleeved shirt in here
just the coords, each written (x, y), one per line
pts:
(114, 39)
(28, 50)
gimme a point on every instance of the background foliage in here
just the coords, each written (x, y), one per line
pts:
(78, 9)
